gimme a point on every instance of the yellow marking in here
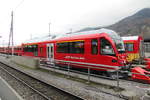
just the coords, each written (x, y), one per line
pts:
(129, 42)
(69, 41)
(133, 56)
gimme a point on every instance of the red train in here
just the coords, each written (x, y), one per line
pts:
(134, 48)
(8, 50)
(98, 49)
(103, 50)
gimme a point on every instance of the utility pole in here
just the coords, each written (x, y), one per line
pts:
(12, 24)
(11, 34)
(11, 40)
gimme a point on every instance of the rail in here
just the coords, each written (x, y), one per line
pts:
(47, 98)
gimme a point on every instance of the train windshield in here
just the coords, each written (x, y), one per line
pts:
(118, 41)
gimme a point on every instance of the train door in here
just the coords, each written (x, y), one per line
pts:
(50, 52)
(35, 50)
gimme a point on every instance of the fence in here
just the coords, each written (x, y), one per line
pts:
(88, 73)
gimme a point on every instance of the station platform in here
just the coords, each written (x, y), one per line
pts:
(7, 92)
(97, 89)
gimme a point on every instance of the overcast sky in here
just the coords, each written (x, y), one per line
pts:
(33, 16)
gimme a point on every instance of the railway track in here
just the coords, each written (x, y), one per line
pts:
(38, 90)
(48, 97)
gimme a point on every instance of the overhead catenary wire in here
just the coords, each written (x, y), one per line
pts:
(21, 2)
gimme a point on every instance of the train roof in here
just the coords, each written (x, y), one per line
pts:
(71, 36)
(39, 39)
(130, 37)
(103, 30)
(88, 34)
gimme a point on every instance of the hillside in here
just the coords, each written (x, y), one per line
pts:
(137, 24)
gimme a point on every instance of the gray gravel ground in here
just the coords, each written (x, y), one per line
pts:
(25, 92)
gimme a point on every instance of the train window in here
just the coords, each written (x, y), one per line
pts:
(106, 47)
(70, 47)
(62, 47)
(29, 48)
(76, 47)
(129, 46)
(94, 46)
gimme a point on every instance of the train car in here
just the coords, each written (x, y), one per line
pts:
(9, 50)
(36, 48)
(100, 50)
(18, 50)
(30, 49)
(103, 50)
(2, 50)
(134, 48)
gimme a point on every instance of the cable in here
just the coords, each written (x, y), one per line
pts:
(18, 5)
